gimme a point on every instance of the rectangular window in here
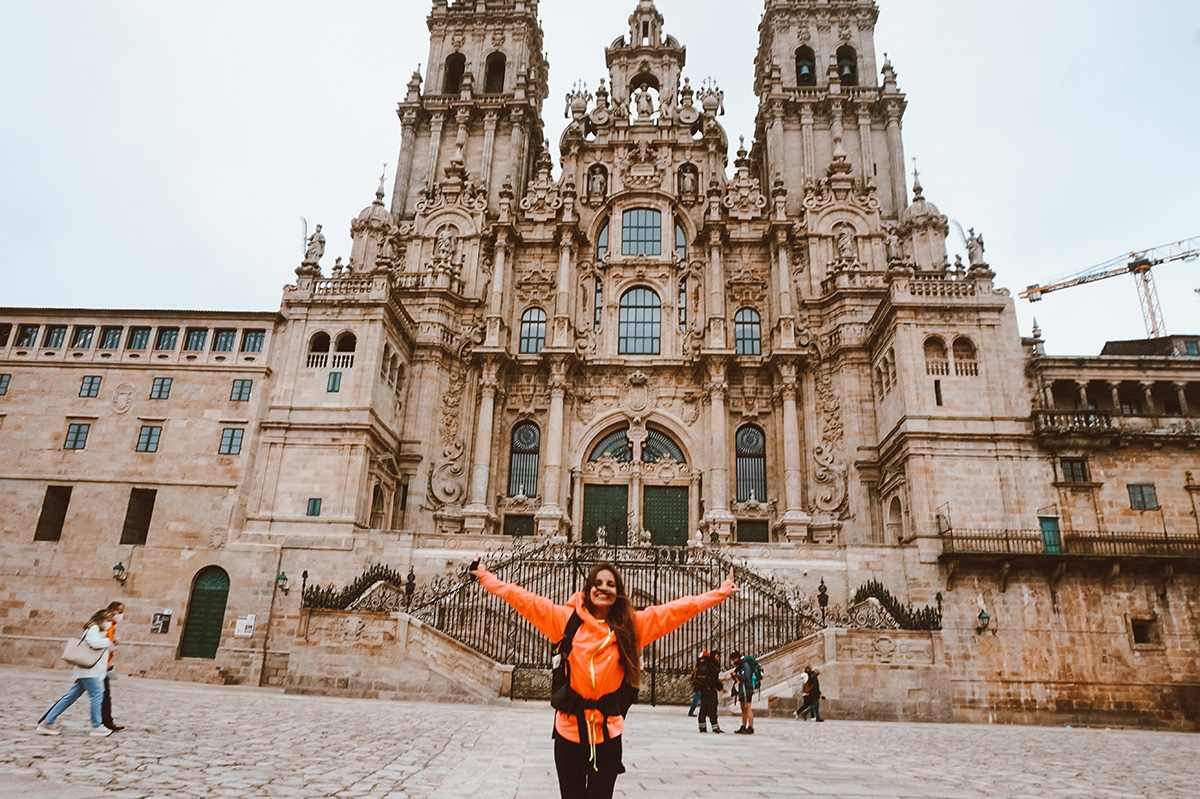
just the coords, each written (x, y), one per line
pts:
(139, 338)
(55, 336)
(937, 392)
(4, 384)
(252, 340)
(196, 339)
(241, 390)
(1074, 470)
(137, 516)
(54, 513)
(641, 232)
(753, 532)
(223, 340)
(77, 436)
(90, 387)
(110, 338)
(231, 441)
(1190, 347)
(27, 335)
(81, 339)
(335, 382)
(161, 388)
(314, 506)
(1143, 497)
(148, 438)
(5, 332)
(520, 526)
(168, 337)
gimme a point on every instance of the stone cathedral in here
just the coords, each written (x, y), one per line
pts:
(645, 336)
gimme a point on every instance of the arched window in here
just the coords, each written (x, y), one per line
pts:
(806, 67)
(377, 508)
(494, 80)
(659, 445)
(895, 520)
(751, 464)
(523, 460)
(936, 362)
(386, 363)
(747, 330)
(641, 232)
(602, 243)
(640, 323)
(847, 62)
(966, 363)
(456, 65)
(318, 351)
(615, 444)
(343, 357)
(683, 303)
(680, 242)
(205, 614)
(347, 342)
(533, 330)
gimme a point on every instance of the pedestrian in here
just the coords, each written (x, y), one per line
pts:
(707, 682)
(86, 680)
(118, 608)
(696, 692)
(745, 675)
(812, 695)
(600, 635)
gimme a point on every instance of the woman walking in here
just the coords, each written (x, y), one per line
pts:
(89, 680)
(604, 635)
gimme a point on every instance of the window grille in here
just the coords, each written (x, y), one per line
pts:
(747, 327)
(641, 232)
(523, 460)
(533, 330)
(640, 329)
(751, 464)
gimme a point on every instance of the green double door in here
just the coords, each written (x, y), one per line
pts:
(664, 513)
(206, 614)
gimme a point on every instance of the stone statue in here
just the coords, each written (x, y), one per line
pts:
(645, 102)
(975, 248)
(645, 538)
(443, 248)
(337, 267)
(598, 184)
(892, 246)
(847, 243)
(316, 247)
(687, 182)
(601, 536)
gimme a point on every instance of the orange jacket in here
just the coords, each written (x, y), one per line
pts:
(111, 633)
(595, 662)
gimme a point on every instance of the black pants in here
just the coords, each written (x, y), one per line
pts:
(577, 779)
(708, 706)
(106, 705)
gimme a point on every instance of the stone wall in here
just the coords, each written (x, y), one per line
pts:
(388, 656)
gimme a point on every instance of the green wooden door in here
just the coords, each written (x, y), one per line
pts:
(606, 506)
(665, 514)
(206, 615)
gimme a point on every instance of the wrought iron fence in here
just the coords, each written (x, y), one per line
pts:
(1069, 542)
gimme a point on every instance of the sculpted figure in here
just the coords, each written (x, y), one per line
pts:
(598, 184)
(687, 182)
(645, 102)
(847, 246)
(316, 247)
(601, 536)
(892, 245)
(975, 248)
(443, 248)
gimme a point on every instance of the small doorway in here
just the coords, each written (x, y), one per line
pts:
(206, 614)
(1051, 536)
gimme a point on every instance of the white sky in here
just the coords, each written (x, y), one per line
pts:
(159, 154)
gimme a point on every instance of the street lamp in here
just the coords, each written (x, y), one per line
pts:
(282, 583)
(410, 585)
(120, 574)
(822, 599)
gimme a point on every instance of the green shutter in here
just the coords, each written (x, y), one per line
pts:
(665, 515)
(606, 506)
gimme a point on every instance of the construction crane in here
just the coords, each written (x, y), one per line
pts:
(1139, 264)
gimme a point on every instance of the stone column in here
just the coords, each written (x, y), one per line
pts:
(495, 319)
(787, 320)
(550, 516)
(562, 299)
(637, 437)
(776, 157)
(806, 141)
(719, 519)
(489, 147)
(518, 154)
(795, 521)
(1116, 398)
(1082, 385)
(1147, 397)
(1181, 392)
(896, 157)
(436, 122)
(408, 147)
(864, 135)
(716, 293)
(476, 516)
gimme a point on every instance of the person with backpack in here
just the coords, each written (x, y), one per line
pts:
(706, 680)
(812, 695)
(599, 639)
(747, 677)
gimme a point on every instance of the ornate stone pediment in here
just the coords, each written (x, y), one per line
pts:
(607, 468)
(639, 396)
(543, 201)
(537, 284)
(666, 468)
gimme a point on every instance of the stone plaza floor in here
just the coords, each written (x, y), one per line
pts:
(187, 740)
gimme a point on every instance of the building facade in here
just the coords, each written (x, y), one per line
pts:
(645, 346)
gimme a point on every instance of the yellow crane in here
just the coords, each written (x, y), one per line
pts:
(1140, 264)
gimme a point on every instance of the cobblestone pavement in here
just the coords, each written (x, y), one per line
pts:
(186, 740)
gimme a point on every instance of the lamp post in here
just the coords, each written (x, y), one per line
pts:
(120, 574)
(822, 599)
(282, 583)
(410, 586)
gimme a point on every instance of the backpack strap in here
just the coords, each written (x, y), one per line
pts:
(565, 645)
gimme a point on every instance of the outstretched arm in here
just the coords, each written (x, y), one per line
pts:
(656, 621)
(549, 619)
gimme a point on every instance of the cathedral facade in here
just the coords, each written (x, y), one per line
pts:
(643, 345)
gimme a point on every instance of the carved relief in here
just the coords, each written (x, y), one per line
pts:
(639, 397)
(542, 201)
(123, 398)
(830, 496)
(447, 481)
(829, 405)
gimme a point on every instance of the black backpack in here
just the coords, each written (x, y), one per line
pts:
(566, 699)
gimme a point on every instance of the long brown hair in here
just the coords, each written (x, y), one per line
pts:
(620, 620)
(99, 617)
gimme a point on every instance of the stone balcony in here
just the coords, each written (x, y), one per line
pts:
(1103, 428)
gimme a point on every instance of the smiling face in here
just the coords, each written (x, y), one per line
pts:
(602, 593)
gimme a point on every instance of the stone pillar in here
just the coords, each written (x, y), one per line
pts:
(489, 147)
(806, 141)
(776, 155)
(1082, 386)
(562, 300)
(408, 147)
(495, 319)
(518, 153)
(477, 518)
(1148, 408)
(637, 437)
(1181, 392)
(720, 520)
(896, 157)
(716, 294)
(550, 516)
(1115, 388)
(795, 521)
(436, 122)
(785, 282)
(864, 135)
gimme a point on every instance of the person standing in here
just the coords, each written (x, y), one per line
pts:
(708, 683)
(87, 680)
(812, 695)
(603, 664)
(743, 689)
(118, 609)
(695, 690)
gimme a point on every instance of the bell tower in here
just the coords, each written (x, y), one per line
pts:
(476, 116)
(821, 106)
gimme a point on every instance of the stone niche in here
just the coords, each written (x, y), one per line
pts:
(380, 655)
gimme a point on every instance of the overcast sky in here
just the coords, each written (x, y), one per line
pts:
(159, 154)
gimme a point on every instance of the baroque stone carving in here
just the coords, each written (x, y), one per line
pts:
(639, 397)
(542, 201)
(831, 477)
(830, 407)
(123, 398)
(447, 481)
(744, 198)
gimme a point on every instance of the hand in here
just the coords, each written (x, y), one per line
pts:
(478, 567)
(735, 588)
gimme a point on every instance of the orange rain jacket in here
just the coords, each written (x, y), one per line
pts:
(595, 662)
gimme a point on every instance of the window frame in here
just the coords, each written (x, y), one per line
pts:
(646, 223)
(644, 320)
(1140, 493)
(160, 389)
(148, 438)
(50, 522)
(110, 337)
(5, 379)
(77, 435)
(742, 324)
(81, 337)
(231, 441)
(139, 338)
(224, 339)
(253, 341)
(333, 384)
(56, 337)
(314, 507)
(27, 336)
(1074, 470)
(524, 460)
(241, 390)
(533, 331)
(89, 386)
(750, 468)
(190, 343)
(138, 515)
(166, 339)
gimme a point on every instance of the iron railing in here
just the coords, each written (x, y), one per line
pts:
(1069, 542)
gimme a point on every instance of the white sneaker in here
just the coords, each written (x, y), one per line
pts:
(101, 732)
(46, 729)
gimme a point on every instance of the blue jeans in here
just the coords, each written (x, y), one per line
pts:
(95, 691)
